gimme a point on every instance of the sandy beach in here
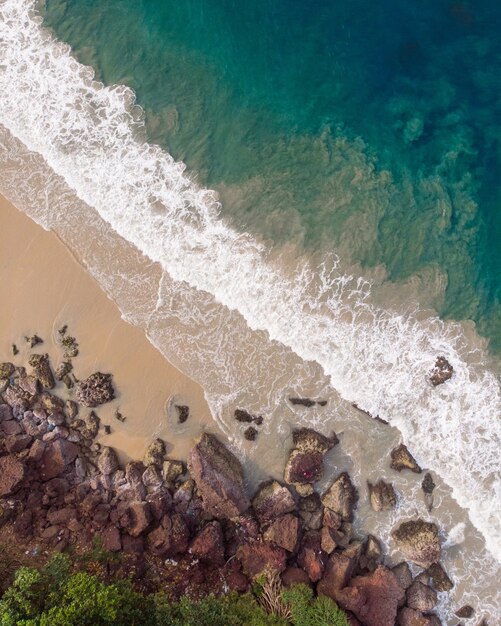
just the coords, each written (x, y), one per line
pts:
(45, 288)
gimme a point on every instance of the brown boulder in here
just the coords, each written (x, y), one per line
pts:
(219, 478)
(295, 576)
(41, 369)
(305, 463)
(402, 459)
(439, 577)
(17, 443)
(339, 570)
(12, 473)
(311, 557)
(465, 611)
(57, 456)
(95, 390)
(421, 597)
(208, 545)
(111, 539)
(284, 532)
(271, 500)
(107, 462)
(441, 372)
(328, 539)
(341, 497)
(138, 518)
(411, 617)
(403, 574)
(382, 496)
(258, 555)
(418, 541)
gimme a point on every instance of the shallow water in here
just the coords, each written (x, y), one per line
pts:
(254, 324)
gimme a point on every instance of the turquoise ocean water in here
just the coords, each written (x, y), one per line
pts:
(367, 128)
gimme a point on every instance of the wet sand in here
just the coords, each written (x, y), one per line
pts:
(44, 288)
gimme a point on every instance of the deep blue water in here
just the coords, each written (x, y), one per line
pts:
(369, 128)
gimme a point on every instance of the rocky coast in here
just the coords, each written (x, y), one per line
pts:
(190, 525)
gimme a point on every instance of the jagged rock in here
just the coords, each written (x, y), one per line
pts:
(63, 370)
(338, 572)
(332, 519)
(11, 427)
(380, 594)
(5, 413)
(421, 597)
(382, 496)
(403, 574)
(160, 502)
(183, 412)
(373, 548)
(341, 497)
(155, 453)
(56, 458)
(328, 537)
(428, 486)
(307, 402)
(418, 541)
(208, 545)
(272, 500)
(311, 557)
(172, 470)
(284, 532)
(95, 390)
(258, 555)
(41, 369)
(305, 462)
(243, 416)
(402, 459)
(306, 439)
(411, 617)
(251, 433)
(465, 611)
(17, 398)
(152, 477)
(219, 478)
(12, 473)
(71, 409)
(439, 577)
(108, 461)
(6, 370)
(441, 372)
(30, 384)
(137, 518)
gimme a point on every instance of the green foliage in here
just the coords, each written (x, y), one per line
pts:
(309, 611)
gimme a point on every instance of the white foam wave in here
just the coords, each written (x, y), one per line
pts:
(92, 136)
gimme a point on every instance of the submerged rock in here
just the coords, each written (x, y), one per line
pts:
(219, 477)
(428, 487)
(419, 541)
(183, 413)
(382, 496)
(341, 497)
(95, 390)
(402, 459)
(250, 433)
(441, 372)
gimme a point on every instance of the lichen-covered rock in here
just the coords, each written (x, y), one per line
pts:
(6, 370)
(419, 541)
(155, 453)
(41, 369)
(421, 597)
(95, 390)
(272, 500)
(402, 459)
(439, 577)
(219, 478)
(341, 497)
(172, 470)
(441, 372)
(12, 473)
(382, 496)
(108, 461)
(306, 439)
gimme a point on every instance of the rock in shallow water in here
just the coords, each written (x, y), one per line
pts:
(95, 390)
(341, 497)
(382, 496)
(402, 459)
(418, 541)
(441, 372)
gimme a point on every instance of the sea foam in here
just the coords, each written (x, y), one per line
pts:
(93, 136)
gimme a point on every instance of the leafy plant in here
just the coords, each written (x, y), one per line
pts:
(309, 611)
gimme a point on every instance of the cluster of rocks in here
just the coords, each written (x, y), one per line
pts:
(59, 487)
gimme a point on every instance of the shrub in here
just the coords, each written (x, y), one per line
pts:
(309, 611)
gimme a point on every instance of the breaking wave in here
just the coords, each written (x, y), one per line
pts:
(93, 136)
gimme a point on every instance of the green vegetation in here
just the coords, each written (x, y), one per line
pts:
(57, 595)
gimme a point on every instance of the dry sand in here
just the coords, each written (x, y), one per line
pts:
(43, 288)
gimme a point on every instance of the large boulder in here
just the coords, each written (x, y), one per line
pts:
(419, 541)
(311, 558)
(95, 390)
(284, 532)
(439, 577)
(219, 477)
(305, 463)
(382, 496)
(137, 518)
(441, 372)
(208, 545)
(257, 556)
(341, 497)
(12, 473)
(57, 456)
(421, 597)
(42, 371)
(271, 500)
(338, 571)
(402, 459)
(155, 453)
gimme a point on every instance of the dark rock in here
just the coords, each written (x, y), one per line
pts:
(5, 413)
(12, 473)
(305, 462)
(183, 413)
(403, 574)
(17, 398)
(16, 443)
(132, 545)
(41, 369)
(219, 478)
(421, 597)
(306, 439)
(307, 402)
(284, 532)
(23, 526)
(95, 390)
(338, 572)
(258, 555)
(137, 518)
(341, 497)
(402, 459)
(250, 433)
(418, 541)
(411, 617)
(272, 500)
(61, 516)
(373, 548)
(208, 545)
(63, 370)
(243, 416)
(465, 611)
(311, 557)
(160, 503)
(56, 458)
(110, 536)
(439, 577)
(6, 370)
(155, 453)
(37, 450)
(428, 486)
(441, 372)
(295, 576)
(382, 496)
(107, 462)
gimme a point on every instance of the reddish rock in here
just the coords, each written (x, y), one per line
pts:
(111, 539)
(284, 532)
(258, 555)
(403, 574)
(208, 544)
(12, 473)
(138, 518)
(17, 443)
(328, 539)
(160, 503)
(411, 617)
(132, 545)
(332, 519)
(62, 516)
(237, 581)
(341, 497)
(295, 576)
(272, 500)
(402, 459)
(23, 526)
(219, 478)
(56, 458)
(418, 541)
(339, 570)
(305, 463)
(311, 557)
